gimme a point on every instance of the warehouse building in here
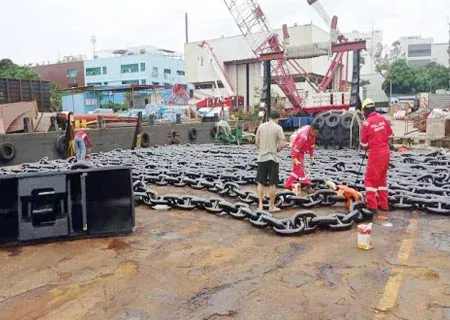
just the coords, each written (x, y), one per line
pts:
(242, 68)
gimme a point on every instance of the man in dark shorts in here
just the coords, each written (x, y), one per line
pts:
(270, 139)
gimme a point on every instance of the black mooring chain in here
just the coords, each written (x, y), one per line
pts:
(416, 180)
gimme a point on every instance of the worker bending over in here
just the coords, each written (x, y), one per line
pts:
(375, 134)
(303, 143)
(83, 145)
(270, 139)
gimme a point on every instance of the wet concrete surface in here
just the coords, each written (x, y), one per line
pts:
(196, 265)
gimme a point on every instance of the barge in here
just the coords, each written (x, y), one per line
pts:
(31, 147)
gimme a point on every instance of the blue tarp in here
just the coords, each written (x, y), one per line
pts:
(296, 122)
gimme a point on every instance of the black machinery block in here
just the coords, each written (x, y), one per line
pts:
(66, 204)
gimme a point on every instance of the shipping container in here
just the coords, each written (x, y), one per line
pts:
(19, 90)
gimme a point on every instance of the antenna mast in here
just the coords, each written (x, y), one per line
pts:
(93, 41)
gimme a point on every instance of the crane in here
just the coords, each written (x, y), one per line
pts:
(231, 99)
(338, 57)
(261, 38)
(218, 68)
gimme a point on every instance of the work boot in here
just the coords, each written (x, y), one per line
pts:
(308, 189)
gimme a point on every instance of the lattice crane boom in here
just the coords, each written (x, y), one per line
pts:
(338, 57)
(261, 38)
(218, 68)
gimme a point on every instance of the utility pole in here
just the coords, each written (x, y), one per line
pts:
(266, 98)
(186, 27)
(448, 20)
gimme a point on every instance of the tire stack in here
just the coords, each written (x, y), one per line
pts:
(338, 129)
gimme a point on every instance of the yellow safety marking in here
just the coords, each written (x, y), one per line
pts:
(395, 280)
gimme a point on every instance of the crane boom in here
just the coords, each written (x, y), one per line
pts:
(218, 68)
(261, 38)
(338, 57)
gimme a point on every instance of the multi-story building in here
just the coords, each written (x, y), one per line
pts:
(144, 66)
(441, 53)
(420, 51)
(374, 40)
(66, 74)
(417, 50)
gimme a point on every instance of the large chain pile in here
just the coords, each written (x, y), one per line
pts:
(416, 180)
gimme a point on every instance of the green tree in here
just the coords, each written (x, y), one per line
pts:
(128, 98)
(385, 56)
(411, 80)
(55, 97)
(364, 82)
(438, 76)
(8, 69)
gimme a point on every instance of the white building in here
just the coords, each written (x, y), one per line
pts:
(242, 67)
(440, 53)
(417, 50)
(420, 51)
(374, 39)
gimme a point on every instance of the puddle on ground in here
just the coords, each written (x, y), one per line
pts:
(117, 245)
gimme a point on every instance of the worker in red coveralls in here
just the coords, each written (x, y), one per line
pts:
(303, 143)
(83, 145)
(375, 134)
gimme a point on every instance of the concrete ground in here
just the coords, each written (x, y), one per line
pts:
(195, 265)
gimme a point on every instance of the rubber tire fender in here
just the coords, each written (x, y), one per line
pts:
(80, 165)
(332, 121)
(61, 145)
(7, 152)
(145, 140)
(193, 133)
(214, 131)
(346, 120)
(320, 120)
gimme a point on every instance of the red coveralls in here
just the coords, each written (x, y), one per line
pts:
(375, 134)
(303, 143)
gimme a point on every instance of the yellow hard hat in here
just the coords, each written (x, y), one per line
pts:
(367, 103)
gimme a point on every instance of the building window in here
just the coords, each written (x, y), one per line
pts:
(180, 73)
(94, 84)
(104, 70)
(130, 82)
(167, 72)
(93, 71)
(142, 66)
(419, 63)
(90, 102)
(419, 50)
(155, 72)
(143, 81)
(155, 83)
(72, 73)
(129, 68)
(105, 83)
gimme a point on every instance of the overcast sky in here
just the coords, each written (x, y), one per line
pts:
(43, 30)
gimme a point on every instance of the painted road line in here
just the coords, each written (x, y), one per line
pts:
(395, 280)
